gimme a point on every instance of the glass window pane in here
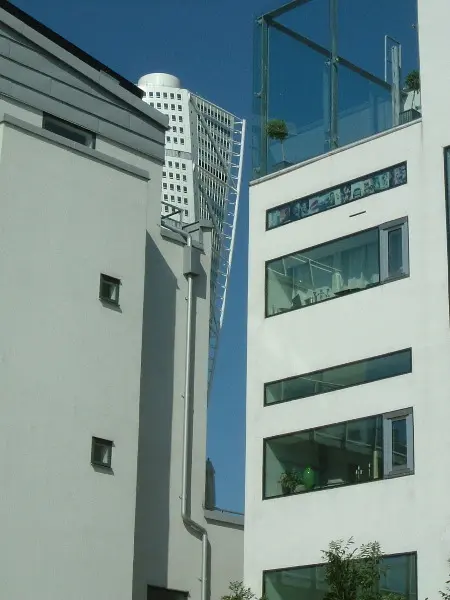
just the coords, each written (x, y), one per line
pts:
(328, 271)
(336, 378)
(397, 576)
(399, 443)
(395, 252)
(341, 454)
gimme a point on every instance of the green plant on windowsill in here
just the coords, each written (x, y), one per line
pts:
(276, 129)
(412, 83)
(289, 481)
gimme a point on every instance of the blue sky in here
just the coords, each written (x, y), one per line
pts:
(208, 45)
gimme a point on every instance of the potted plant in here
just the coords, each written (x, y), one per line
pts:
(412, 83)
(277, 130)
(289, 481)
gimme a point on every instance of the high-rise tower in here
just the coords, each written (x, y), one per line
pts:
(201, 176)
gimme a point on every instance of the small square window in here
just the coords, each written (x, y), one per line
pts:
(178, 188)
(172, 107)
(164, 186)
(174, 128)
(150, 94)
(164, 94)
(177, 176)
(177, 165)
(170, 163)
(166, 197)
(164, 174)
(184, 178)
(170, 175)
(180, 107)
(172, 96)
(183, 166)
(185, 200)
(181, 140)
(172, 198)
(181, 129)
(158, 94)
(172, 187)
(101, 452)
(166, 106)
(152, 104)
(179, 199)
(180, 118)
(109, 289)
(186, 213)
(175, 140)
(166, 209)
(158, 105)
(178, 96)
(184, 189)
(168, 138)
(173, 118)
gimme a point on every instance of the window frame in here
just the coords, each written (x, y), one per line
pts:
(385, 229)
(334, 188)
(379, 228)
(342, 365)
(109, 280)
(391, 470)
(97, 441)
(49, 120)
(387, 445)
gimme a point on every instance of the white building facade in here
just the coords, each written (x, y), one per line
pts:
(348, 347)
(103, 451)
(201, 178)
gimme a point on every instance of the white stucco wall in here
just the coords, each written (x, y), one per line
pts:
(403, 514)
(70, 369)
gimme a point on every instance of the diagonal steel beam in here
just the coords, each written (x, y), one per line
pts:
(285, 8)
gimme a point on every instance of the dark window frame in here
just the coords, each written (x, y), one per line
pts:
(96, 441)
(348, 364)
(56, 126)
(380, 228)
(386, 476)
(322, 564)
(334, 188)
(109, 280)
(447, 211)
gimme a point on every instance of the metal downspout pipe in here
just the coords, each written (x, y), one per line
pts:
(188, 521)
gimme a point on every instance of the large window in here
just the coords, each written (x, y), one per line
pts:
(337, 196)
(337, 378)
(347, 453)
(398, 575)
(337, 268)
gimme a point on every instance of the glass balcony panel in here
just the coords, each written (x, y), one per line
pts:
(364, 107)
(311, 20)
(298, 95)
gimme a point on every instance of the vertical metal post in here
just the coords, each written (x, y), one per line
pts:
(334, 76)
(264, 92)
(396, 79)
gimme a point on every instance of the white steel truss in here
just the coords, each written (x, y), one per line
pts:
(221, 170)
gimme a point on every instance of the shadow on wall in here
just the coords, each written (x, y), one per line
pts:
(155, 423)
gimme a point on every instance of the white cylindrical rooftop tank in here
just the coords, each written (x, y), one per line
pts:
(159, 79)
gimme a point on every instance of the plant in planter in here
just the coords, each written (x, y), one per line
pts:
(412, 83)
(289, 481)
(277, 130)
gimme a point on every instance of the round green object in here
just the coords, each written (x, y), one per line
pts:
(308, 478)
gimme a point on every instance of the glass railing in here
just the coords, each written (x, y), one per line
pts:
(310, 99)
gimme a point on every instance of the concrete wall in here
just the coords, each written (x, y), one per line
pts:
(403, 514)
(70, 369)
(167, 554)
(226, 539)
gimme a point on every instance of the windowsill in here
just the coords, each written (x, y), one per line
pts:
(342, 294)
(110, 304)
(338, 486)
